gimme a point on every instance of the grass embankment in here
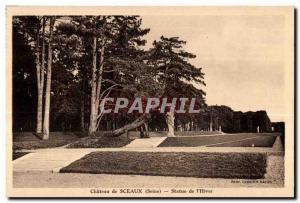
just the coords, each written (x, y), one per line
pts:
(227, 140)
(17, 155)
(136, 134)
(195, 133)
(28, 140)
(194, 164)
(264, 141)
(100, 142)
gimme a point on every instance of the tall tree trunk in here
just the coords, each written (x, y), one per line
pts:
(41, 82)
(99, 79)
(93, 115)
(39, 117)
(96, 84)
(135, 124)
(82, 115)
(98, 91)
(83, 95)
(48, 83)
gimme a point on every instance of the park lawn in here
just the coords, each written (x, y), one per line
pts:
(136, 134)
(192, 164)
(100, 142)
(195, 133)
(263, 141)
(196, 141)
(28, 140)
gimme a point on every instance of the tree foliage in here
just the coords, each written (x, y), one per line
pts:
(94, 57)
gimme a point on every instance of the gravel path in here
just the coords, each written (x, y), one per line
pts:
(275, 169)
(146, 142)
(76, 180)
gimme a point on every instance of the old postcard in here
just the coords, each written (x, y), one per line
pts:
(150, 102)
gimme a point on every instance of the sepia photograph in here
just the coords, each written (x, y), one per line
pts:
(150, 102)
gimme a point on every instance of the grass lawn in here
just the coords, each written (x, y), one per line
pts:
(17, 155)
(264, 140)
(101, 142)
(193, 164)
(28, 140)
(136, 134)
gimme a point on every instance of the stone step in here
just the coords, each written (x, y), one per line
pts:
(146, 142)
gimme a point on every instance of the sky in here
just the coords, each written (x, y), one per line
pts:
(242, 57)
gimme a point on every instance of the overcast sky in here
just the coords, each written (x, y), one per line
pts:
(241, 56)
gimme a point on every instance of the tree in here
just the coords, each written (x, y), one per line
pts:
(48, 81)
(30, 27)
(74, 62)
(175, 73)
(96, 28)
(113, 39)
(34, 30)
(88, 29)
(128, 65)
(40, 75)
(89, 58)
(33, 27)
(24, 79)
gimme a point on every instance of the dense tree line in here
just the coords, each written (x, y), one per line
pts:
(220, 118)
(63, 66)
